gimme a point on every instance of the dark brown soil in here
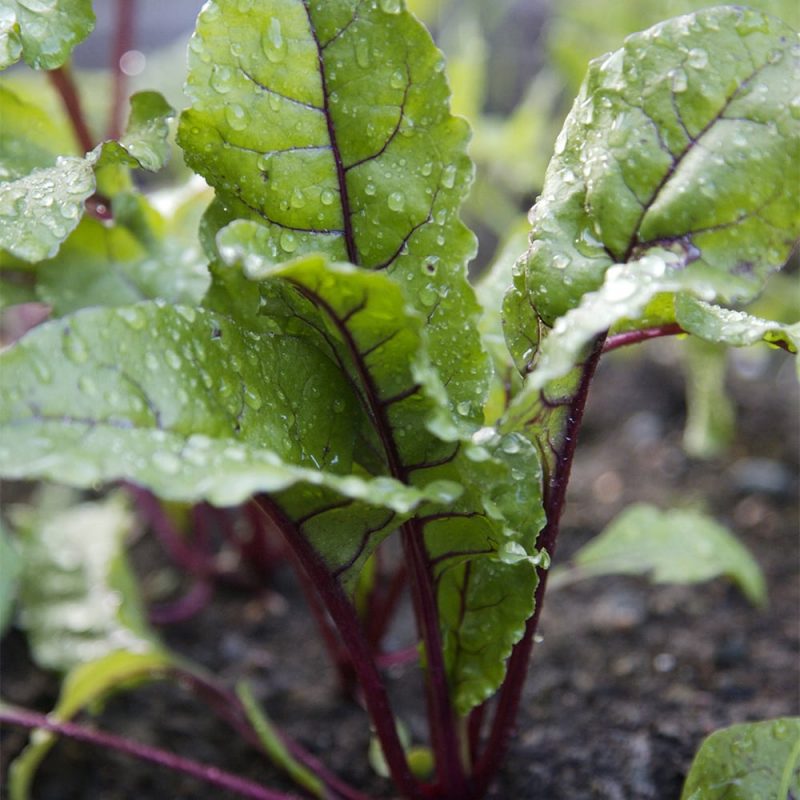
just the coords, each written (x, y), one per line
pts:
(626, 682)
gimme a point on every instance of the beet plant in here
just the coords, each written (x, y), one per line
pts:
(339, 382)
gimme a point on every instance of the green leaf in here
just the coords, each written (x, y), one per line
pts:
(84, 686)
(626, 292)
(144, 143)
(481, 543)
(274, 746)
(43, 32)
(328, 123)
(710, 414)
(753, 759)
(684, 140)
(186, 403)
(734, 328)
(29, 138)
(76, 598)
(9, 574)
(678, 546)
(39, 210)
(140, 256)
(482, 548)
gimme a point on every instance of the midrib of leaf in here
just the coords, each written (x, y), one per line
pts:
(678, 160)
(341, 176)
(375, 406)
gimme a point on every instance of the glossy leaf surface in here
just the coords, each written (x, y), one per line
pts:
(140, 256)
(328, 123)
(39, 210)
(754, 759)
(482, 542)
(683, 140)
(672, 547)
(43, 32)
(735, 328)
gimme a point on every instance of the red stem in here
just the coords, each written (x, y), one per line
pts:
(554, 496)
(330, 639)
(346, 620)
(123, 42)
(441, 717)
(634, 337)
(203, 772)
(380, 615)
(64, 84)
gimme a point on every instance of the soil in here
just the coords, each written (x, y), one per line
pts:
(626, 682)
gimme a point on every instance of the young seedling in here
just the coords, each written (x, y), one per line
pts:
(336, 376)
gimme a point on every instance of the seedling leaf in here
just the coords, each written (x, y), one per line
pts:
(677, 546)
(754, 759)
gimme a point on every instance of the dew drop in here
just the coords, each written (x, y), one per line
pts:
(391, 6)
(236, 117)
(173, 359)
(678, 81)
(698, 58)
(396, 201)
(426, 169)
(327, 197)
(397, 80)
(288, 242)
(298, 199)
(253, 399)
(273, 43)
(75, 348)
(363, 55)
(221, 79)
(561, 261)
(449, 176)
(464, 407)
(370, 189)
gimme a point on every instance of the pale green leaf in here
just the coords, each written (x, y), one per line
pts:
(626, 291)
(139, 256)
(742, 762)
(144, 143)
(10, 568)
(43, 32)
(274, 745)
(328, 123)
(188, 404)
(678, 546)
(29, 138)
(39, 210)
(84, 685)
(734, 328)
(685, 139)
(75, 598)
(710, 414)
